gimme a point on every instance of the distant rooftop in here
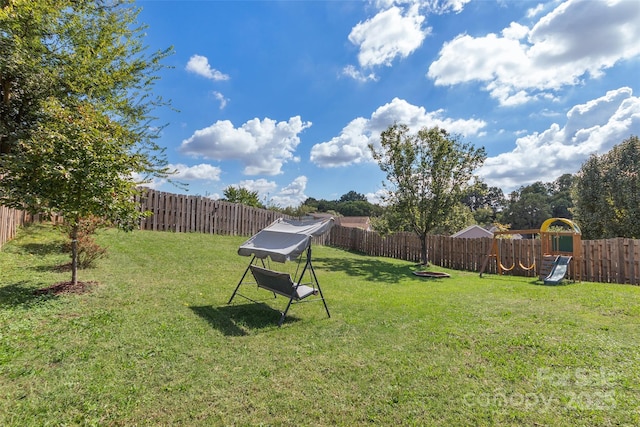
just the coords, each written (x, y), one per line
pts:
(473, 232)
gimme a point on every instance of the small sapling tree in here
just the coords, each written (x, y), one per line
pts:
(75, 111)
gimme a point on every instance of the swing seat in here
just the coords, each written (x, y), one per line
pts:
(281, 283)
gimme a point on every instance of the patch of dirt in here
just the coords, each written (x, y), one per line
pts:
(61, 288)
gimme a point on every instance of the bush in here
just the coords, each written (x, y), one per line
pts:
(88, 250)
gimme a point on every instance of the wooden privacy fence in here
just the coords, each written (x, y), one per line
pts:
(611, 260)
(607, 260)
(448, 252)
(184, 214)
(10, 220)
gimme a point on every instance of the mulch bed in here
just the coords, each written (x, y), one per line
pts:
(65, 288)
(433, 274)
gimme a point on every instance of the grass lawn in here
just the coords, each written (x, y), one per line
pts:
(155, 343)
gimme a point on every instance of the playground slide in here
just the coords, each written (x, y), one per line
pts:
(559, 271)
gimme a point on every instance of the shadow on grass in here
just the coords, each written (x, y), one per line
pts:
(34, 232)
(532, 280)
(19, 294)
(240, 319)
(373, 270)
(42, 249)
(551, 285)
(64, 267)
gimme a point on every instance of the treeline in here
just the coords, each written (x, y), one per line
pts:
(525, 208)
(350, 204)
(603, 197)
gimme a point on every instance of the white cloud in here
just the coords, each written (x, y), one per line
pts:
(535, 11)
(220, 97)
(202, 172)
(430, 6)
(263, 146)
(444, 6)
(292, 194)
(515, 31)
(396, 30)
(391, 33)
(153, 183)
(590, 128)
(262, 186)
(351, 146)
(199, 64)
(377, 198)
(352, 72)
(577, 39)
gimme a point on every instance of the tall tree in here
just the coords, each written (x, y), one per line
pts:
(350, 204)
(357, 208)
(242, 195)
(459, 218)
(427, 174)
(24, 83)
(76, 124)
(353, 196)
(592, 211)
(484, 202)
(528, 207)
(561, 202)
(623, 184)
(607, 193)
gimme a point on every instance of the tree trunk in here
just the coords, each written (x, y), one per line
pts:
(74, 255)
(424, 254)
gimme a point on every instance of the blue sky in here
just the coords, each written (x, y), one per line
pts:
(283, 97)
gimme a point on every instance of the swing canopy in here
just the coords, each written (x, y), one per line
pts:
(284, 239)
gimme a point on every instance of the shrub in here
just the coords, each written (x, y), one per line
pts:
(88, 250)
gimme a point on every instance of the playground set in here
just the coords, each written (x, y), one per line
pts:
(559, 256)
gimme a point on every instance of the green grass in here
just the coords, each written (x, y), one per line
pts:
(155, 343)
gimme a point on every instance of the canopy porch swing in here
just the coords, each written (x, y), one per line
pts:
(281, 241)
